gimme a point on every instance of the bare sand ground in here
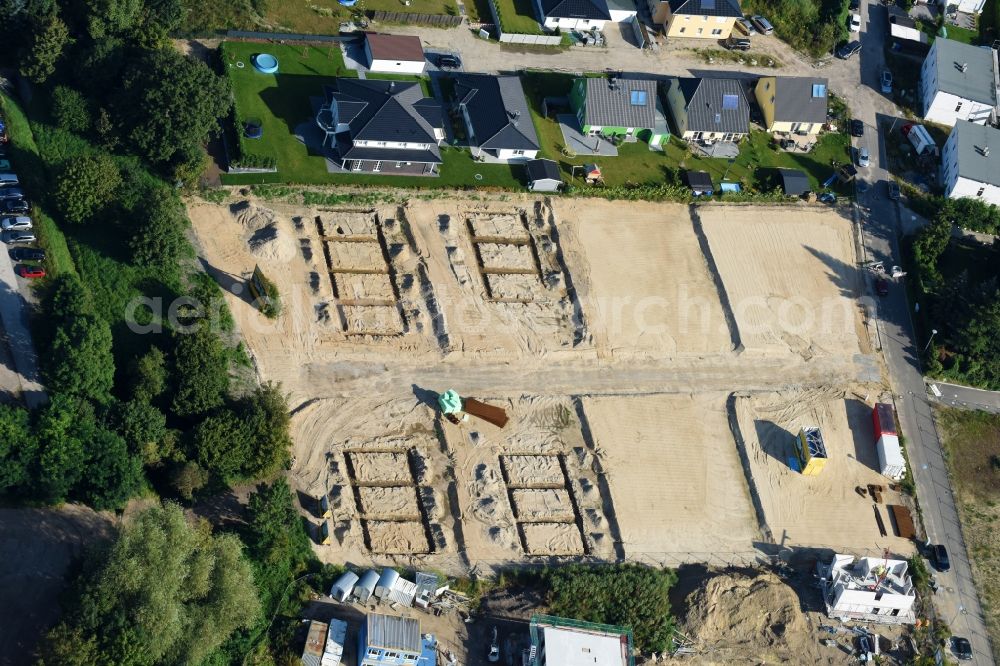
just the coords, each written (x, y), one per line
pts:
(620, 301)
(791, 280)
(676, 482)
(822, 511)
(643, 279)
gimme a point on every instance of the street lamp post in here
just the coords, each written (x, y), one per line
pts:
(931, 339)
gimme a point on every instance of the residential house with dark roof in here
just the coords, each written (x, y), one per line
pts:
(792, 104)
(628, 108)
(697, 19)
(573, 14)
(970, 162)
(959, 82)
(386, 127)
(496, 116)
(394, 53)
(708, 110)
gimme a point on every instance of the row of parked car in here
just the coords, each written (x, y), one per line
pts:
(745, 28)
(15, 223)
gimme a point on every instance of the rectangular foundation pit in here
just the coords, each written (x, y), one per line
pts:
(524, 471)
(512, 287)
(360, 257)
(505, 257)
(386, 468)
(389, 503)
(391, 537)
(359, 287)
(498, 226)
(546, 505)
(347, 226)
(371, 319)
(551, 539)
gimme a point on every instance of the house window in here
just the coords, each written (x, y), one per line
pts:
(767, 86)
(980, 192)
(380, 143)
(518, 152)
(958, 107)
(399, 164)
(391, 655)
(701, 30)
(378, 166)
(357, 165)
(717, 31)
(683, 29)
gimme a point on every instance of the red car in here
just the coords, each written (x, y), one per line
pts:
(30, 271)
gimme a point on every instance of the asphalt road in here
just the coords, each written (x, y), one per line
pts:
(957, 600)
(965, 397)
(13, 314)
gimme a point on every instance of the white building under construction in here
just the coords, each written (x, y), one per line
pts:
(867, 589)
(557, 641)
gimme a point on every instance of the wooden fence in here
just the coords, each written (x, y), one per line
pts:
(440, 20)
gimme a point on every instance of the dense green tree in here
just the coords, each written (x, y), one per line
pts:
(85, 186)
(80, 362)
(114, 17)
(169, 592)
(67, 298)
(265, 411)
(49, 38)
(928, 247)
(158, 238)
(188, 478)
(113, 474)
(148, 375)
(63, 427)
(169, 103)
(201, 371)
(221, 444)
(17, 448)
(70, 109)
(143, 427)
(629, 595)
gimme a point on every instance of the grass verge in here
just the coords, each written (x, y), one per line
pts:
(972, 449)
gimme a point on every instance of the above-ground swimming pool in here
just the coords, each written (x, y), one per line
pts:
(265, 62)
(348, 3)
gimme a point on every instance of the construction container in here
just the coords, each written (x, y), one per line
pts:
(884, 420)
(344, 586)
(312, 654)
(890, 457)
(811, 450)
(336, 637)
(386, 581)
(365, 588)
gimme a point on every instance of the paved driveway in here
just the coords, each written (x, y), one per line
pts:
(13, 314)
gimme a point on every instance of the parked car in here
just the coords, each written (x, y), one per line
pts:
(7, 178)
(849, 49)
(940, 557)
(449, 61)
(11, 193)
(14, 206)
(18, 237)
(745, 26)
(893, 188)
(961, 648)
(882, 287)
(857, 127)
(763, 26)
(15, 223)
(886, 81)
(737, 44)
(855, 22)
(27, 254)
(864, 159)
(4, 164)
(30, 272)
(494, 653)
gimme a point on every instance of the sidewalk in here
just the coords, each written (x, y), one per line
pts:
(15, 323)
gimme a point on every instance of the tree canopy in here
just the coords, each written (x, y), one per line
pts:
(86, 185)
(168, 592)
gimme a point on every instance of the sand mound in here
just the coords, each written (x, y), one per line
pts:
(734, 611)
(268, 238)
(252, 217)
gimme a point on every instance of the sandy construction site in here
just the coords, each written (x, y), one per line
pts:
(614, 334)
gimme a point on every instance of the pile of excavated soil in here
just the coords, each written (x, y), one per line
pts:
(739, 619)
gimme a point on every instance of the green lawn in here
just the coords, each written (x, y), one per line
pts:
(637, 164)
(449, 7)
(518, 16)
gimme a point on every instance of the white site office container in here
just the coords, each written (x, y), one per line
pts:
(890, 457)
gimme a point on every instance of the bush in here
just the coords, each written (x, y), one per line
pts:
(70, 110)
(85, 186)
(200, 371)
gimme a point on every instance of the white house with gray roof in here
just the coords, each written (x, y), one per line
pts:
(708, 110)
(970, 162)
(497, 120)
(959, 82)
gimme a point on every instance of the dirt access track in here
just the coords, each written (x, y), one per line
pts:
(614, 334)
